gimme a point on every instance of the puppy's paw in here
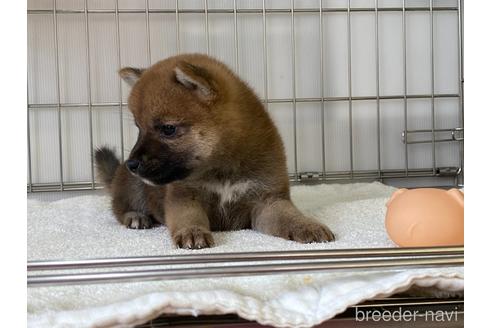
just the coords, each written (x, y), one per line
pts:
(308, 231)
(193, 238)
(136, 220)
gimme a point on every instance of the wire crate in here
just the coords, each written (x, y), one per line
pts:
(359, 89)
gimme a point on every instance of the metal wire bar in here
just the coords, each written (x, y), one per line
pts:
(456, 135)
(433, 111)
(236, 44)
(265, 56)
(378, 101)
(29, 164)
(147, 33)
(240, 11)
(349, 69)
(294, 105)
(405, 81)
(322, 87)
(429, 141)
(58, 93)
(239, 270)
(120, 91)
(89, 92)
(321, 254)
(178, 50)
(315, 177)
(206, 27)
(302, 176)
(461, 85)
(270, 100)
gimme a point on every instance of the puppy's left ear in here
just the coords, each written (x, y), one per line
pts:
(196, 79)
(131, 75)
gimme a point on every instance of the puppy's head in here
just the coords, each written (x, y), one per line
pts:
(173, 103)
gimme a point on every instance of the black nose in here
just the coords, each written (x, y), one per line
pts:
(132, 165)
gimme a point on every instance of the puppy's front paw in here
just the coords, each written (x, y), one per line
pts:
(193, 238)
(308, 231)
(136, 220)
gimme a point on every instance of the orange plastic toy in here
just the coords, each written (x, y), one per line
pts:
(426, 217)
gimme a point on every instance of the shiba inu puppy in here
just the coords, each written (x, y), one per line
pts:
(208, 158)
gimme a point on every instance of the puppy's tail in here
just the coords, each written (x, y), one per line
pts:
(106, 164)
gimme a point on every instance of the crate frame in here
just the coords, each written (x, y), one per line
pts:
(432, 135)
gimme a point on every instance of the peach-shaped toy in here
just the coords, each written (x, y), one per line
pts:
(426, 217)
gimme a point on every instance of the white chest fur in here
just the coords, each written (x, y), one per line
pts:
(229, 192)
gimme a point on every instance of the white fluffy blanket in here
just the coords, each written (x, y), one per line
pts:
(84, 227)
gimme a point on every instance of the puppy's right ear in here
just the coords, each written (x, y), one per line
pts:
(196, 79)
(131, 75)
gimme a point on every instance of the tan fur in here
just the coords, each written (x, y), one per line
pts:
(224, 170)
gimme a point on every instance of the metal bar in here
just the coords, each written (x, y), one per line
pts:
(374, 174)
(271, 100)
(29, 167)
(378, 101)
(240, 11)
(436, 130)
(456, 135)
(431, 2)
(58, 92)
(120, 91)
(429, 141)
(294, 105)
(322, 86)
(74, 105)
(405, 86)
(237, 271)
(425, 172)
(89, 91)
(304, 177)
(296, 255)
(177, 28)
(147, 25)
(265, 56)
(50, 187)
(207, 27)
(236, 44)
(461, 84)
(349, 68)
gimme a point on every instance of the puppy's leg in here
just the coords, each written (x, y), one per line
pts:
(281, 218)
(129, 217)
(128, 202)
(136, 220)
(188, 223)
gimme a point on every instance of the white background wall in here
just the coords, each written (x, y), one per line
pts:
(104, 81)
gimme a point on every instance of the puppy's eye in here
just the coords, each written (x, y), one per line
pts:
(167, 130)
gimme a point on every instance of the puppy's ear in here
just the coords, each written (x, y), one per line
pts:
(131, 75)
(196, 79)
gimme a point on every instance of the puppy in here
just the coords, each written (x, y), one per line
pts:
(208, 158)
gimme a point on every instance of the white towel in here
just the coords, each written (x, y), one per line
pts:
(83, 227)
